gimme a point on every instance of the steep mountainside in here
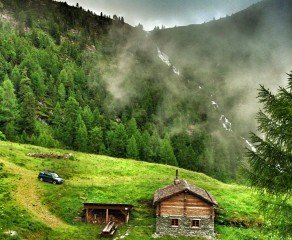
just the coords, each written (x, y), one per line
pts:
(231, 56)
(73, 79)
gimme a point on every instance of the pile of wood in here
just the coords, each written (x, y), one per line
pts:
(109, 230)
(51, 155)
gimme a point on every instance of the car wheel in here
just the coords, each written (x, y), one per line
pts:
(41, 179)
(54, 182)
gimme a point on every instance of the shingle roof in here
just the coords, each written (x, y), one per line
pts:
(182, 186)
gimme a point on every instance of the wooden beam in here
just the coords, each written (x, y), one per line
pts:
(86, 215)
(127, 218)
(106, 216)
(185, 203)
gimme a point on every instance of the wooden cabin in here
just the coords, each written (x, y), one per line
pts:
(101, 213)
(183, 209)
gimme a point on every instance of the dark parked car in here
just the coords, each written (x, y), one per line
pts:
(51, 177)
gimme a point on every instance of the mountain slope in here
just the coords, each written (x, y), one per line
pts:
(233, 55)
(93, 178)
(70, 78)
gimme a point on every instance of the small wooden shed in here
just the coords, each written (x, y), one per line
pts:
(184, 209)
(103, 213)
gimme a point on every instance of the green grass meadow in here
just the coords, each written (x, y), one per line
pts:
(95, 178)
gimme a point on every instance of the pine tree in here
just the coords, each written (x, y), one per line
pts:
(132, 127)
(44, 137)
(72, 110)
(271, 162)
(146, 150)
(9, 109)
(27, 108)
(2, 136)
(117, 140)
(61, 93)
(166, 153)
(58, 121)
(155, 145)
(16, 77)
(37, 78)
(88, 117)
(96, 144)
(132, 148)
(187, 158)
(271, 158)
(81, 139)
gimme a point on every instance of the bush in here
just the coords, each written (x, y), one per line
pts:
(2, 136)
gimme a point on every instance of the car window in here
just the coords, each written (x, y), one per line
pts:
(55, 175)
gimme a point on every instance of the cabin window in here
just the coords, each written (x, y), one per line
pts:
(174, 222)
(195, 223)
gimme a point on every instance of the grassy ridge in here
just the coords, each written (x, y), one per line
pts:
(94, 178)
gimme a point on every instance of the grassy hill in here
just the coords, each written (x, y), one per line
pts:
(37, 210)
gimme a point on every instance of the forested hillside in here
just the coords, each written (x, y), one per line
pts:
(73, 79)
(231, 56)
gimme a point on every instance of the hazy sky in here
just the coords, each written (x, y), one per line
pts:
(151, 13)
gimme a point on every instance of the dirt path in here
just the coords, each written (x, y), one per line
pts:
(27, 195)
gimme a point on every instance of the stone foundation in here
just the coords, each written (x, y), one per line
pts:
(206, 229)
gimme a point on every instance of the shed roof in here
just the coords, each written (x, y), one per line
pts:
(179, 186)
(108, 206)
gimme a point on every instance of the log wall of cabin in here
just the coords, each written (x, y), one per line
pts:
(184, 204)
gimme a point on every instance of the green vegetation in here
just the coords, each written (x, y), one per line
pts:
(73, 79)
(96, 178)
(270, 162)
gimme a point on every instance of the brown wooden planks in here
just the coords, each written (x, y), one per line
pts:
(185, 204)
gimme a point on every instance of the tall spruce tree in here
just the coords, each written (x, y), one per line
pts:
(166, 153)
(271, 158)
(271, 162)
(81, 139)
(9, 109)
(132, 148)
(96, 144)
(117, 140)
(72, 110)
(27, 108)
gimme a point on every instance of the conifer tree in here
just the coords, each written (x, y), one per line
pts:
(117, 140)
(37, 78)
(27, 108)
(61, 93)
(16, 77)
(70, 118)
(271, 168)
(155, 145)
(96, 144)
(58, 121)
(81, 139)
(271, 157)
(146, 151)
(2, 136)
(88, 117)
(166, 153)
(132, 148)
(187, 158)
(9, 109)
(132, 127)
